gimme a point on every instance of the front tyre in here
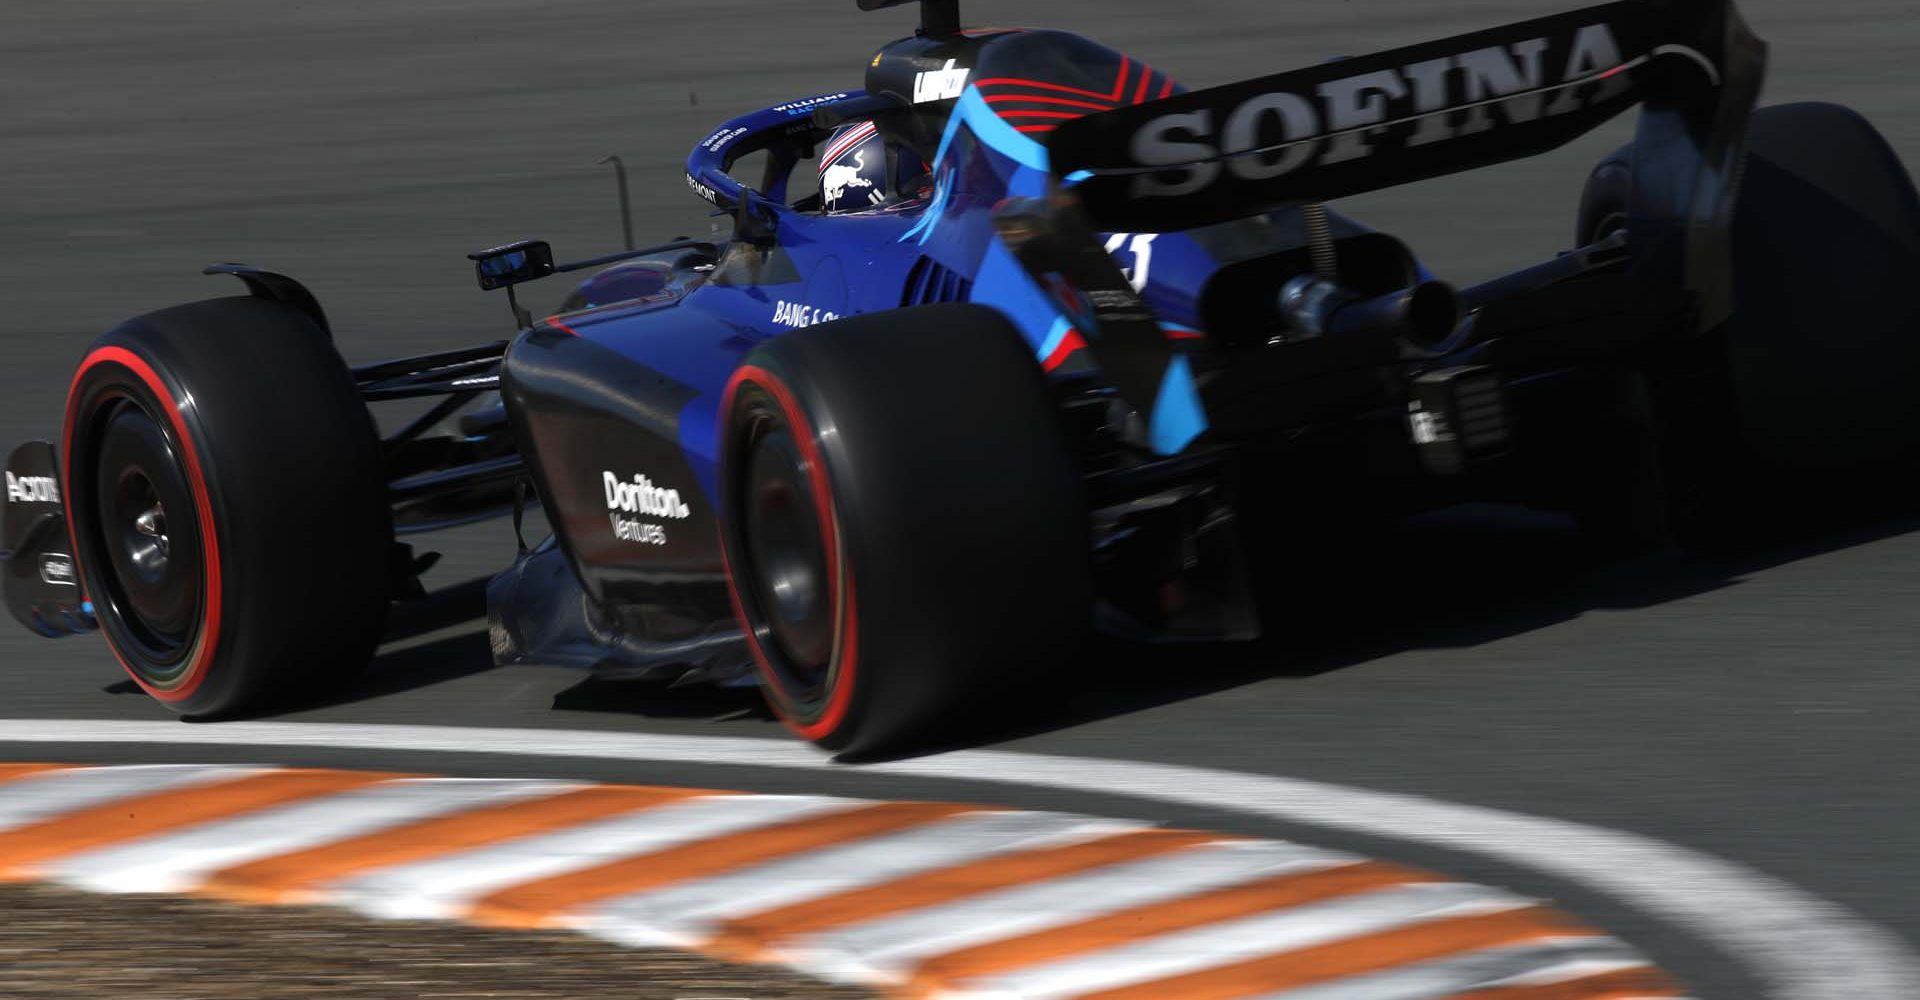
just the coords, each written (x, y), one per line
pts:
(229, 516)
(904, 530)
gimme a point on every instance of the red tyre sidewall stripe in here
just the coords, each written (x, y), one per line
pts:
(208, 641)
(840, 699)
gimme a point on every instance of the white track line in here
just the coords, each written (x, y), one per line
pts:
(1800, 946)
(886, 949)
(180, 861)
(683, 914)
(35, 797)
(446, 886)
(1604, 957)
(1244, 938)
(1563, 960)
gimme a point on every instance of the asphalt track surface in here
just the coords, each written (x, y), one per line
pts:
(1758, 711)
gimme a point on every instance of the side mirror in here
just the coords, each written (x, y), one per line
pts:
(505, 266)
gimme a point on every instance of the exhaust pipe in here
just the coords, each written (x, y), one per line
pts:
(1425, 314)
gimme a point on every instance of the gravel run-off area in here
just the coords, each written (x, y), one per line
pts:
(58, 943)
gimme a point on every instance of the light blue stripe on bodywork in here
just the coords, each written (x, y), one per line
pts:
(993, 132)
(973, 111)
(1178, 417)
(1055, 334)
(999, 281)
(936, 209)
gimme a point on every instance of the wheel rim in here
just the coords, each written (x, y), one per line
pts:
(793, 594)
(1609, 224)
(147, 528)
(788, 554)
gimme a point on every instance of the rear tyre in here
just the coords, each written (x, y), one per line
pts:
(1802, 407)
(1608, 473)
(904, 531)
(229, 515)
(1603, 202)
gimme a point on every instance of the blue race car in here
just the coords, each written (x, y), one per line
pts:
(1019, 341)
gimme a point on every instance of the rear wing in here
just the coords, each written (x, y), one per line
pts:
(1361, 124)
(1374, 121)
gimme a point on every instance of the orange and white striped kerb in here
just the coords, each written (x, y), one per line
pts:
(917, 899)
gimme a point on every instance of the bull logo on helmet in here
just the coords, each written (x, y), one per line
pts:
(855, 161)
(837, 178)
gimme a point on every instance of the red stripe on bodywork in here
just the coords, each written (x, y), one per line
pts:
(1042, 99)
(1064, 350)
(1009, 81)
(1119, 86)
(1072, 342)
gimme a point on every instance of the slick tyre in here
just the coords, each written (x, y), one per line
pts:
(1800, 409)
(229, 517)
(1653, 476)
(1611, 481)
(1603, 200)
(904, 531)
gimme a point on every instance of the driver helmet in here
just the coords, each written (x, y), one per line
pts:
(853, 170)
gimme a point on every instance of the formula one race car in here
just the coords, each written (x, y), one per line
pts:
(1052, 346)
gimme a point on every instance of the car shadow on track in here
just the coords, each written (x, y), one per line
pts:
(661, 701)
(440, 638)
(443, 637)
(1455, 579)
